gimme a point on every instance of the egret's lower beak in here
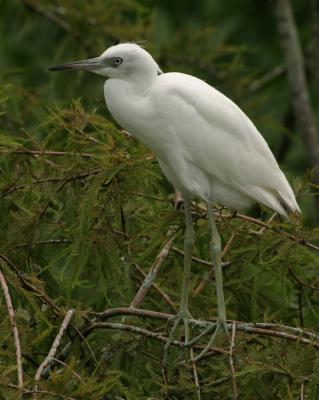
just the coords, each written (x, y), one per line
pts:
(91, 64)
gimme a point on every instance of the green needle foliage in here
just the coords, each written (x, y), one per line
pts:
(85, 211)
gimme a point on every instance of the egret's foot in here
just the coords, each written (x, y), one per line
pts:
(182, 316)
(216, 327)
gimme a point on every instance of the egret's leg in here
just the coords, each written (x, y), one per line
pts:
(184, 314)
(215, 250)
(188, 250)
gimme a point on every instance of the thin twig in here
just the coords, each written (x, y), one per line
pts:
(14, 328)
(197, 259)
(53, 17)
(300, 281)
(263, 224)
(160, 291)
(46, 153)
(27, 391)
(152, 274)
(64, 181)
(56, 360)
(195, 373)
(231, 360)
(55, 345)
(267, 78)
(42, 242)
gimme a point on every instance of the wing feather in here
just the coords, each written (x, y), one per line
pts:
(220, 139)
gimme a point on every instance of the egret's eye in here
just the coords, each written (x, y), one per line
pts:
(117, 61)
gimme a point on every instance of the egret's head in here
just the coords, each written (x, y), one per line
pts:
(120, 61)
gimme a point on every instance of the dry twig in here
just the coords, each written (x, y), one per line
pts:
(14, 328)
(231, 360)
(152, 274)
(191, 353)
(55, 345)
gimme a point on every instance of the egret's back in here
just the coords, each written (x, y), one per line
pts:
(218, 139)
(206, 146)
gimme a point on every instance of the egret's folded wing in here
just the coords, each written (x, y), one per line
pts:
(220, 139)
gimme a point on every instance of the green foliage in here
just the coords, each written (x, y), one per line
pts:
(84, 208)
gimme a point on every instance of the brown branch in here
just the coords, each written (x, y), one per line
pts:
(112, 312)
(152, 274)
(55, 345)
(231, 360)
(14, 326)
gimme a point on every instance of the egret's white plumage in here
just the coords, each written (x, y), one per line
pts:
(205, 144)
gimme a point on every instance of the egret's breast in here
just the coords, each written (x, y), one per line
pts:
(135, 112)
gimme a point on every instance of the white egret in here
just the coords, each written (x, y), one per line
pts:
(205, 145)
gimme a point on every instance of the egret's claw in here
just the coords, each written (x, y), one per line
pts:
(182, 316)
(218, 326)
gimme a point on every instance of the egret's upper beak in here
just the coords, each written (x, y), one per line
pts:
(91, 64)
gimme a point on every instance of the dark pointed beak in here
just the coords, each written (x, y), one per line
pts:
(92, 64)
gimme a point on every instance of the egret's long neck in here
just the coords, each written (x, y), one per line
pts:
(139, 83)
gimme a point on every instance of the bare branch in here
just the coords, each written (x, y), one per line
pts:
(165, 296)
(231, 360)
(152, 274)
(191, 352)
(259, 328)
(55, 345)
(14, 326)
